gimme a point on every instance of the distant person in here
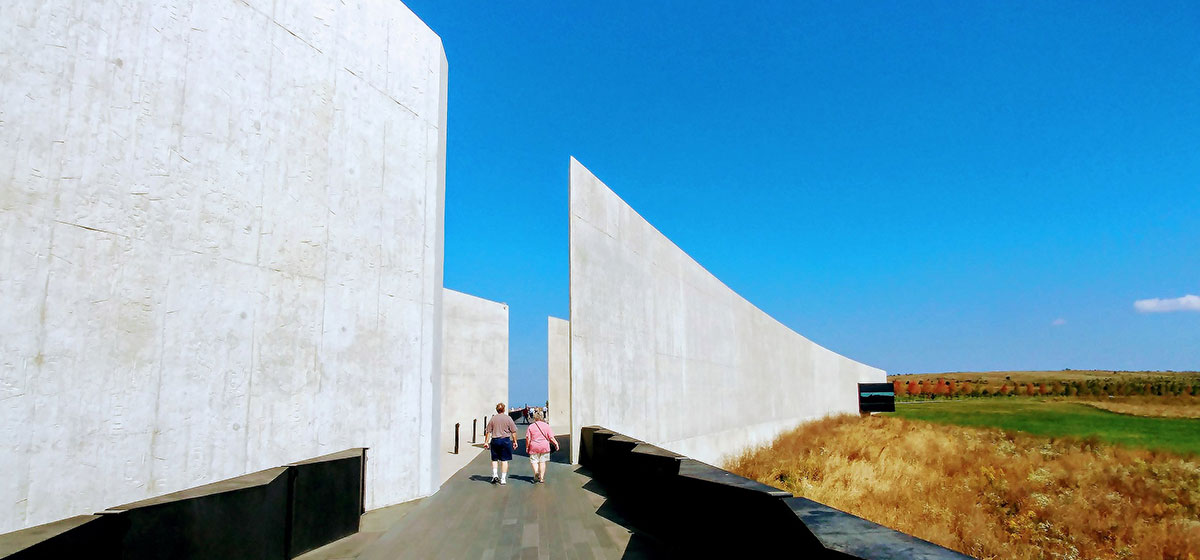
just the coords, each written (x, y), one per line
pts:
(500, 435)
(525, 414)
(539, 441)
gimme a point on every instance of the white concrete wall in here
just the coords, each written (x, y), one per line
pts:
(558, 366)
(474, 371)
(222, 246)
(663, 351)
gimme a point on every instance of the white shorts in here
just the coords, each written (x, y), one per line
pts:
(539, 457)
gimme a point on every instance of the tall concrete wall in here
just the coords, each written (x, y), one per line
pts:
(558, 366)
(222, 246)
(474, 371)
(664, 352)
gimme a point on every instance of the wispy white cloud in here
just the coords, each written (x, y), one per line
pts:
(1059, 322)
(1158, 305)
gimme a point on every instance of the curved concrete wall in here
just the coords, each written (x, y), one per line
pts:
(222, 226)
(474, 371)
(663, 351)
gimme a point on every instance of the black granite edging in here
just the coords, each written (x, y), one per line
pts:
(243, 517)
(82, 536)
(276, 513)
(706, 510)
(326, 500)
(858, 538)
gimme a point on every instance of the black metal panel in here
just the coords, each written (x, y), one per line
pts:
(674, 499)
(585, 444)
(591, 448)
(855, 537)
(876, 397)
(243, 517)
(326, 499)
(84, 536)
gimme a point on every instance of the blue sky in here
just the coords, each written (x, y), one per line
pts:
(921, 187)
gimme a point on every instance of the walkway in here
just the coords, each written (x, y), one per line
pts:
(565, 518)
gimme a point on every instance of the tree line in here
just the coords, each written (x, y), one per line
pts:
(916, 389)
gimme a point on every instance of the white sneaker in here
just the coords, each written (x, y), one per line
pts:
(503, 481)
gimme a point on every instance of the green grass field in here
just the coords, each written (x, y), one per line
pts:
(1059, 419)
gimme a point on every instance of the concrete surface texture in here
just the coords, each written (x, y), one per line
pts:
(474, 371)
(222, 228)
(661, 350)
(558, 366)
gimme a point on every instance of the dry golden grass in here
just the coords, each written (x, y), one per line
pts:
(988, 493)
(1160, 407)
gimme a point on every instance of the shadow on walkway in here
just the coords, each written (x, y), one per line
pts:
(569, 516)
(562, 456)
(642, 544)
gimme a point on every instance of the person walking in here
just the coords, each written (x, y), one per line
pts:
(539, 441)
(500, 435)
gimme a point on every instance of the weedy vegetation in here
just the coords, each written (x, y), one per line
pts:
(990, 493)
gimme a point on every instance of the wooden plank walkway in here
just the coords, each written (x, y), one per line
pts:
(565, 518)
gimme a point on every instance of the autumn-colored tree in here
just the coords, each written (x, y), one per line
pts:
(898, 388)
(1003, 389)
(952, 388)
(913, 388)
(1045, 389)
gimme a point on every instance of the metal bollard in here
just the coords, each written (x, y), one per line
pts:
(456, 438)
(474, 425)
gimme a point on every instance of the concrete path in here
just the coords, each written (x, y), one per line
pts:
(565, 518)
(451, 463)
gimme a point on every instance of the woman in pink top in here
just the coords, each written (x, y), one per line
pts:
(539, 439)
